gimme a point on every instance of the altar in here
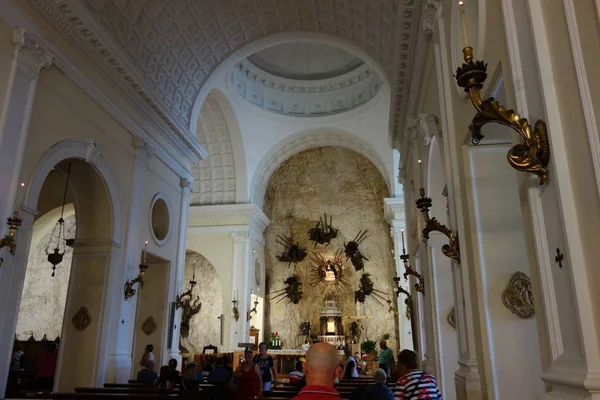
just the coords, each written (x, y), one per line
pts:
(331, 328)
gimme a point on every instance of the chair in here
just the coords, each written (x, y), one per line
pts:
(210, 347)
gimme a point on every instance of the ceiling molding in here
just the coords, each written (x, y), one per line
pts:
(77, 33)
(163, 63)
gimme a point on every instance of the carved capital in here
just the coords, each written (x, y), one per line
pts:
(142, 144)
(431, 12)
(186, 184)
(94, 150)
(29, 52)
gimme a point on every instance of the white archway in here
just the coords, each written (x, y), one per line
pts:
(309, 139)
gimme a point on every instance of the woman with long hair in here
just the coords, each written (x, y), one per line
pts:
(248, 376)
(147, 356)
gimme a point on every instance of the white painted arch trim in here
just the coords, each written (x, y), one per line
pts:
(161, 196)
(310, 139)
(76, 149)
(270, 41)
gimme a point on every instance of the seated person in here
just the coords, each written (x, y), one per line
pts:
(163, 381)
(206, 370)
(222, 372)
(297, 375)
(147, 374)
(189, 377)
(174, 375)
(379, 390)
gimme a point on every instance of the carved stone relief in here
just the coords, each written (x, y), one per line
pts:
(451, 317)
(82, 319)
(518, 297)
(149, 326)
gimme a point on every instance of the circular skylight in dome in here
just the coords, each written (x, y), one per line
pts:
(305, 61)
(305, 80)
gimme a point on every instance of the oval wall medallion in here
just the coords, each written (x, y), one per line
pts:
(149, 326)
(82, 319)
(518, 296)
(451, 318)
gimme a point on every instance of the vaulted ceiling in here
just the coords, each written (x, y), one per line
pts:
(163, 51)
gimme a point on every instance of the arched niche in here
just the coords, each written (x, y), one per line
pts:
(205, 326)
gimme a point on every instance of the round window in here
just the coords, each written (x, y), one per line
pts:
(257, 273)
(160, 219)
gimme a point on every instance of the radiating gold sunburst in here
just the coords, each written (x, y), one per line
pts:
(329, 274)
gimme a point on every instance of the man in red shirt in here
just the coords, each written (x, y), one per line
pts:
(320, 371)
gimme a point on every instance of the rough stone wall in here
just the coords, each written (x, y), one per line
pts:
(347, 186)
(205, 327)
(44, 297)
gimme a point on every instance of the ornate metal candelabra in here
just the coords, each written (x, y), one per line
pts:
(180, 300)
(253, 310)
(129, 290)
(409, 270)
(236, 312)
(533, 155)
(451, 250)
(14, 223)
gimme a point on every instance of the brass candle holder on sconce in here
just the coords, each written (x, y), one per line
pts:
(253, 310)
(14, 223)
(129, 290)
(451, 250)
(533, 155)
(409, 270)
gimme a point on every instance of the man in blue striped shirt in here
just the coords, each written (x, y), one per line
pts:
(414, 384)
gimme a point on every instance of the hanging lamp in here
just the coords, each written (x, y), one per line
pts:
(58, 235)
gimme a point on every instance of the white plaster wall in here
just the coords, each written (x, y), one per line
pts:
(205, 327)
(515, 361)
(43, 301)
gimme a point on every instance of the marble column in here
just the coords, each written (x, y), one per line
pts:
(12, 301)
(29, 60)
(121, 365)
(397, 220)
(241, 264)
(177, 271)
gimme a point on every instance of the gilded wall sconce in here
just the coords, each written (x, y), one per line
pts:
(533, 154)
(14, 223)
(181, 299)
(129, 290)
(236, 312)
(409, 270)
(451, 250)
(253, 310)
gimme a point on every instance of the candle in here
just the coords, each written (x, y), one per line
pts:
(145, 251)
(402, 232)
(234, 294)
(463, 18)
(20, 193)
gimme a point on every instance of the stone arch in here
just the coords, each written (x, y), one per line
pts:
(205, 327)
(219, 177)
(305, 140)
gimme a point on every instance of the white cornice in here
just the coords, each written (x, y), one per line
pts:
(19, 18)
(82, 38)
(228, 214)
(394, 208)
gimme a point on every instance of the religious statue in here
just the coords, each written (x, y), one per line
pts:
(323, 232)
(353, 253)
(293, 253)
(355, 331)
(189, 308)
(367, 288)
(305, 330)
(292, 290)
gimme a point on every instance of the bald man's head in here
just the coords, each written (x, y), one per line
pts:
(321, 364)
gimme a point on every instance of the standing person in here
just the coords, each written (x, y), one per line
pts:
(249, 377)
(320, 371)
(267, 367)
(350, 366)
(148, 355)
(413, 383)
(379, 390)
(46, 368)
(386, 357)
